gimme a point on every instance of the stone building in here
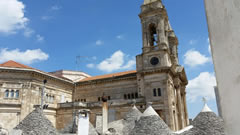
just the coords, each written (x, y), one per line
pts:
(158, 78)
(20, 90)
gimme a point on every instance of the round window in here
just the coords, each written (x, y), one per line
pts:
(154, 61)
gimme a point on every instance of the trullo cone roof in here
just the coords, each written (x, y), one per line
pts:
(36, 123)
(150, 124)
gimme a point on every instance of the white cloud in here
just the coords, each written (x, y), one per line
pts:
(192, 42)
(194, 58)
(99, 42)
(118, 61)
(12, 16)
(90, 65)
(120, 36)
(40, 38)
(45, 18)
(201, 86)
(28, 32)
(130, 64)
(25, 57)
(56, 7)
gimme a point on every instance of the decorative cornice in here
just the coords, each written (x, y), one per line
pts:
(10, 105)
(34, 71)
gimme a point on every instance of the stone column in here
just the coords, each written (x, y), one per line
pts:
(180, 108)
(185, 109)
(161, 34)
(168, 112)
(104, 117)
(174, 52)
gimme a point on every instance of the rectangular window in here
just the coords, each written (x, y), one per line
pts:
(132, 95)
(99, 98)
(109, 98)
(159, 92)
(125, 96)
(17, 94)
(136, 95)
(154, 92)
(129, 96)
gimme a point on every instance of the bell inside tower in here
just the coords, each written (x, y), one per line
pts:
(153, 35)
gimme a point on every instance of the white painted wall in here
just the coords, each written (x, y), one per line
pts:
(83, 125)
(224, 29)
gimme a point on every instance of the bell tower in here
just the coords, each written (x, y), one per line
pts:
(159, 75)
(159, 41)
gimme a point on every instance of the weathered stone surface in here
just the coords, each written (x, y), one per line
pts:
(151, 125)
(133, 114)
(15, 132)
(36, 124)
(206, 123)
(124, 126)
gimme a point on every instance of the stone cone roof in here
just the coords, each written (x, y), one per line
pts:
(133, 114)
(150, 124)
(206, 123)
(125, 125)
(36, 123)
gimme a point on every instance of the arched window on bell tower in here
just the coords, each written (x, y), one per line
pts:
(153, 35)
(6, 94)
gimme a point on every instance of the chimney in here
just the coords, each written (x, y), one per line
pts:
(83, 122)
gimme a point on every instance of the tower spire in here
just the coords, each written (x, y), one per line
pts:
(149, 1)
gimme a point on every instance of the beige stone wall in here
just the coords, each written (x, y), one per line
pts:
(9, 119)
(114, 89)
(51, 115)
(64, 116)
(29, 85)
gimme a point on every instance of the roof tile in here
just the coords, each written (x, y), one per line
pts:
(108, 76)
(14, 64)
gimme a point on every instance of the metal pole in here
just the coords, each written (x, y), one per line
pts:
(42, 95)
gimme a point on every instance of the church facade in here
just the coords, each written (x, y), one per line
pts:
(158, 78)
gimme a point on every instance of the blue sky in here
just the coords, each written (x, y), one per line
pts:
(49, 34)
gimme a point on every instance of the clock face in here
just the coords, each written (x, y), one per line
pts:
(154, 61)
